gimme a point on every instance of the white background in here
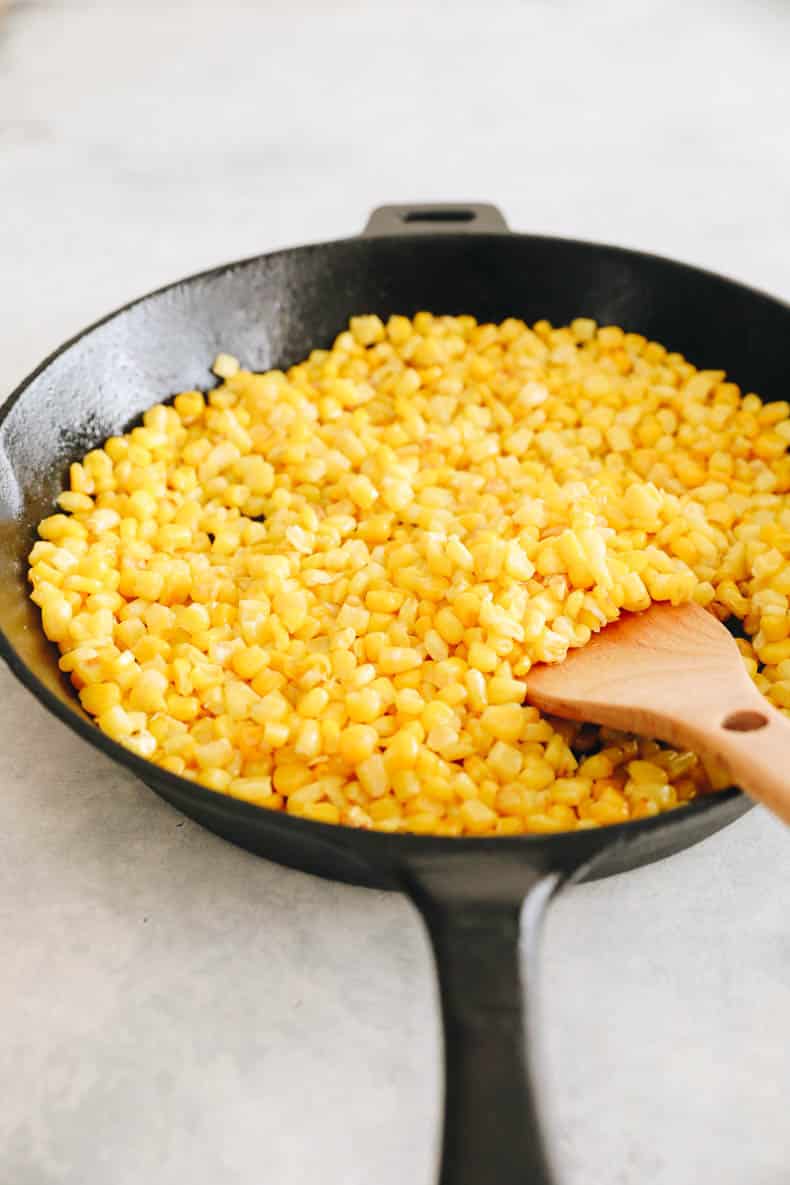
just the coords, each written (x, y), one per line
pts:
(173, 1010)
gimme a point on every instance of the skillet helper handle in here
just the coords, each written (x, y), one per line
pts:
(492, 1131)
(434, 218)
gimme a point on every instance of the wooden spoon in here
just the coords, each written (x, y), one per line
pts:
(674, 672)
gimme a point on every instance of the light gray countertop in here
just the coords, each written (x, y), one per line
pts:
(172, 1009)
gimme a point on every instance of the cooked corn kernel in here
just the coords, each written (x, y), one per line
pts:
(322, 591)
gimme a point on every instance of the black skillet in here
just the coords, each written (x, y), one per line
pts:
(270, 311)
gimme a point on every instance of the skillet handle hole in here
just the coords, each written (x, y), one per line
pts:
(439, 216)
(744, 721)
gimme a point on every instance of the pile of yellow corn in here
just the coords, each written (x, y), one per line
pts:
(322, 590)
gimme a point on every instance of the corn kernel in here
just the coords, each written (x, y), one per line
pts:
(503, 690)
(504, 721)
(357, 742)
(100, 697)
(363, 706)
(373, 775)
(394, 660)
(402, 750)
(482, 657)
(477, 817)
(313, 702)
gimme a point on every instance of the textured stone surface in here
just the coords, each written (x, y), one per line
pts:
(172, 1009)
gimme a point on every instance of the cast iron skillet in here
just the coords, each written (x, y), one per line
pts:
(270, 311)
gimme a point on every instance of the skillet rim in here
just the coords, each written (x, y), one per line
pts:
(385, 842)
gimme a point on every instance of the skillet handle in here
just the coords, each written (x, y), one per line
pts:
(435, 218)
(492, 1131)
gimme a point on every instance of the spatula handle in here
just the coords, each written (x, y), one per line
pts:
(754, 743)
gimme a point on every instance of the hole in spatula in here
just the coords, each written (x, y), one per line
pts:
(744, 721)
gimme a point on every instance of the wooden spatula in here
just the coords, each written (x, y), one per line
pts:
(675, 673)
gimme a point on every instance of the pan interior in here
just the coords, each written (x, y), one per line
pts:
(270, 311)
